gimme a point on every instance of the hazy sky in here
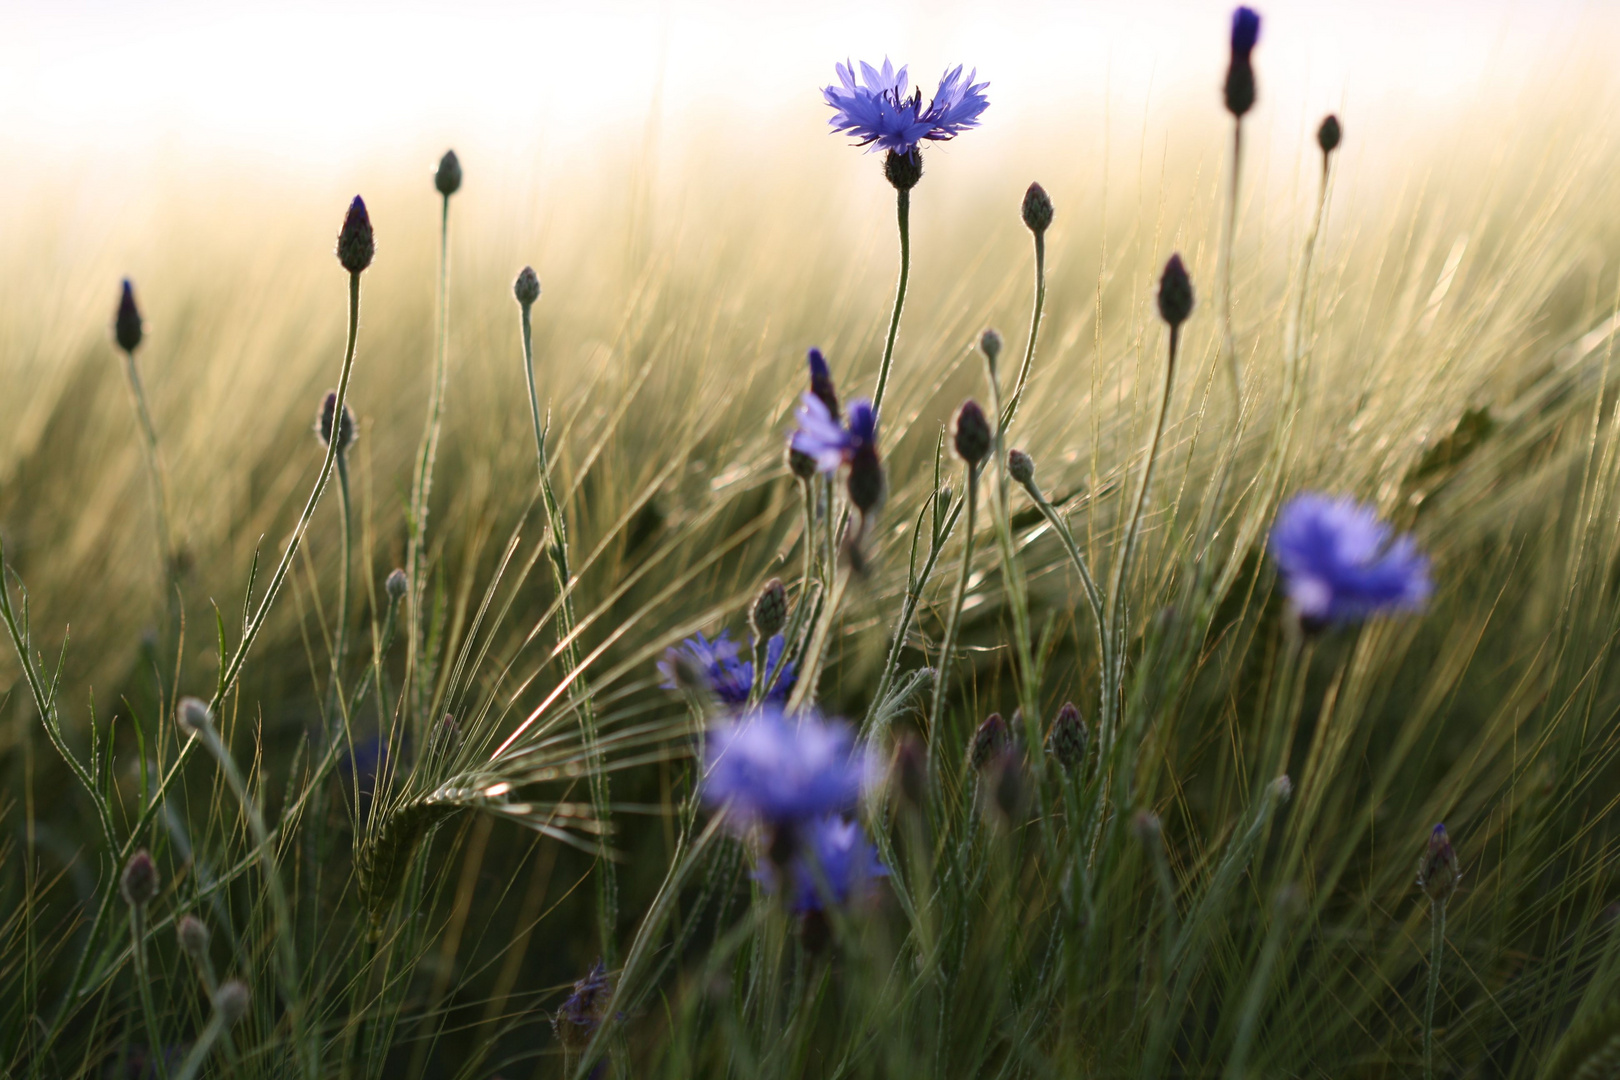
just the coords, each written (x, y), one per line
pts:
(323, 82)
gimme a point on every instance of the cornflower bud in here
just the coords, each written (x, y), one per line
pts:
(527, 286)
(192, 715)
(1329, 134)
(972, 437)
(866, 482)
(1240, 93)
(1037, 209)
(139, 883)
(193, 935)
(990, 741)
(127, 324)
(447, 177)
(396, 584)
(345, 427)
(990, 344)
(1439, 872)
(1175, 292)
(903, 170)
(769, 613)
(801, 464)
(821, 382)
(1020, 466)
(1067, 738)
(231, 1001)
(356, 245)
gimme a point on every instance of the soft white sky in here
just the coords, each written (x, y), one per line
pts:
(316, 84)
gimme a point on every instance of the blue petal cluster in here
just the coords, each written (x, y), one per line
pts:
(876, 110)
(1340, 562)
(1245, 32)
(731, 676)
(820, 435)
(835, 862)
(769, 769)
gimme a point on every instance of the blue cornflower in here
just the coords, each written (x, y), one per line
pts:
(821, 382)
(729, 675)
(1340, 562)
(835, 862)
(820, 436)
(877, 111)
(767, 768)
(1245, 32)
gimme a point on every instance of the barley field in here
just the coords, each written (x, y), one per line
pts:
(1120, 579)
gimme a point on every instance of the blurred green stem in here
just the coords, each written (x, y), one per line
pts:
(1228, 336)
(340, 643)
(155, 473)
(143, 986)
(953, 622)
(1437, 949)
(903, 216)
(1011, 411)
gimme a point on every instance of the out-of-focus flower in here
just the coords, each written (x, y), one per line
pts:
(836, 862)
(873, 106)
(728, 674)
(780, 771)
(1339, 561)
(127, 324)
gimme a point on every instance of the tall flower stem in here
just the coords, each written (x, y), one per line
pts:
(903, 216)
(1228, 336)
(1008, 413)
(947, 648)
(1114, 671)
(340, 642)
(227, 676)
(426, 456)
(154, 471)
(1437, 948)
(607, 899)
(143, 985)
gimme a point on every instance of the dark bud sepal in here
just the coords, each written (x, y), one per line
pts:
(821, 382)
(1175, 292)
(139, 882)
(1067, 739)
(447, 177)
(1037, 209)
(1021, 467)
(801, 464)
(992, 739)
(345, 426)
(972, 437)
(1330, 134)
(127, 324)
(1439, 871)
(867, 485)
(356, 244)
(903, 170)
(769, 613)
(526, 289)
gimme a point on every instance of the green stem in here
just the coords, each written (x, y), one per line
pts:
(426, 456)
(340, 643)
(143, 985)
(155, 472)
(1437, 948)
(204, 1046)
(1011, 411)
(1228, 337)
(903, 215)
(607, 897)
(953, 623)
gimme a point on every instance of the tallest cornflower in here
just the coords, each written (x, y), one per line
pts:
(877, 107)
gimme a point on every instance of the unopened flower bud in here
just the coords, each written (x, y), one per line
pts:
(1037, 209)
(193, 935)
(972, 436)
(231, 1001)
(903, 170)
(127, 324)
(527, 286)
(1438, 870)
(356, 245)
(769, 613)
(1067, 738)
(447, 177)
(1329, 134)
(801, 464)
(866, 481)
(990, 344)
(1175, 292)
(139, 883)
(1020, 466)
(1240, 93)
(990, 740)
(345, 428)
(396, 584)
(192, 715)
(821, 382)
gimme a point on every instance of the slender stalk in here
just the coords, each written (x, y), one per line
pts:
(203, 1047)
(1228, 336)
(426, 456)
(340, 642)
(953, 623)
(578, 689)
(1437, 948)
(903, 216)
(908, 611)
(227, 676)
(807, 488)
(1017, 397)
(143, 985)
(154, 470)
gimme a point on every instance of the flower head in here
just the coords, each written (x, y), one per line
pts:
(820, 436)
(1245, 31)
(447, 177)
(356, 244)
(729, 676)
(821, 382)
(772, 769)
(1340, 562)
(127, 324)
(582, 1013)
(836, 862)
(139, 882)
(875, 108)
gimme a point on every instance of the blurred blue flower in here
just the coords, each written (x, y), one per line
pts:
(835, 862)
(767, 768)
(876, 110)
(1245, 32)
(1339, 561)
(729, 675)
(820, 436)
(821, 382)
